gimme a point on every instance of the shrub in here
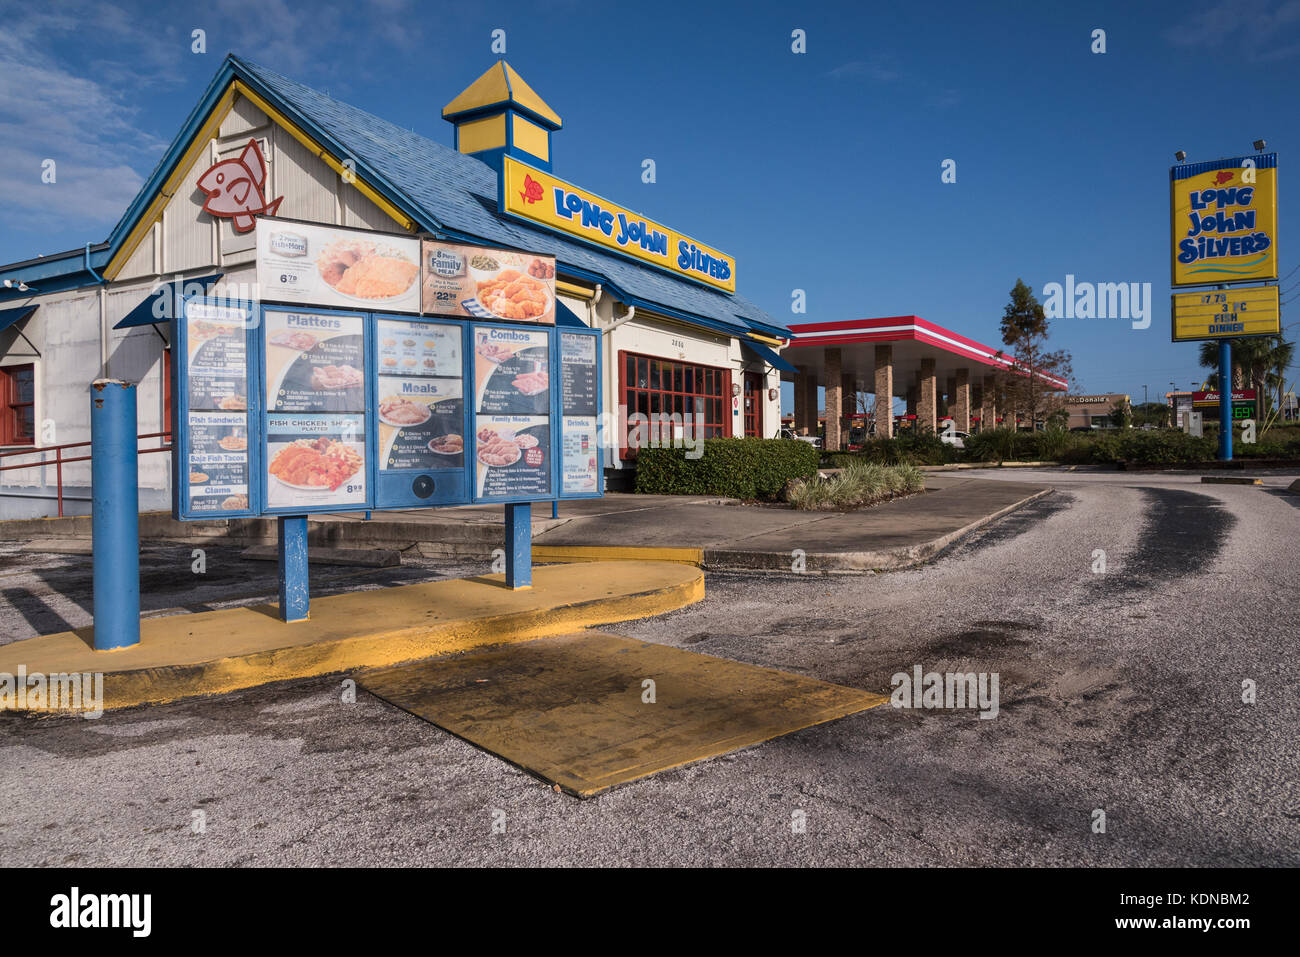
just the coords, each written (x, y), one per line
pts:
(996, 445)
(736, 468)
(858, 483)
(1162, 447)
(905, 449)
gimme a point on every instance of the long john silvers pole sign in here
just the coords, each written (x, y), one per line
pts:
(1223, 216)
(382, 371)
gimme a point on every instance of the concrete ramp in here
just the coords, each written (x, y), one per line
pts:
(576, 710)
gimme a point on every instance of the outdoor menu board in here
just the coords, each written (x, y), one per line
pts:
(315, 461)
(216, 394)
(314, 362)
(316, 404)
(331, 399)
(577, 373)
(485, 283)
(334, 266)
(579, 455)
(421, 395)
(512, 404)
(579, 403)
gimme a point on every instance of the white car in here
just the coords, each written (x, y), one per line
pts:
(953, 437)
(812, 440)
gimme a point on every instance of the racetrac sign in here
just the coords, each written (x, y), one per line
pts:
(538, 197)
(1224, 218)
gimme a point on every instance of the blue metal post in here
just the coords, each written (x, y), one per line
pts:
(1225, 400)
(295, 593)
(555, 508)
(115, 514)
(519, 545)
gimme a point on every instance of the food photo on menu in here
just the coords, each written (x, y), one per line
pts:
(421, 423)
(511, 371)
(302, 262)
(512, 455)
(315, 461)
(217, 362)
(314, 362)
(488, 283)
(217, 462)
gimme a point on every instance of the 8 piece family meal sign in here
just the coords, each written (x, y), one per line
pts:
(384, 371)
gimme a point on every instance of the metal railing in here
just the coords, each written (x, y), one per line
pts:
(61, 460)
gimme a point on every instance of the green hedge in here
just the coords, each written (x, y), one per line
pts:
(907, 449)
(736, 468)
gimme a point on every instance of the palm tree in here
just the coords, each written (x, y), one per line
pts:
(1253, 359)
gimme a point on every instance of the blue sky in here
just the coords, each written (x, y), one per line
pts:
(818, 171)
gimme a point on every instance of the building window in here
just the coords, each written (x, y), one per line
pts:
(654, 386)
(18, 405)
(754, 404)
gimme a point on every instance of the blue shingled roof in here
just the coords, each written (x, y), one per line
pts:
(453, 194)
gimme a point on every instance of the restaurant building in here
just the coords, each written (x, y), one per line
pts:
(678, 340)
(1095, 411)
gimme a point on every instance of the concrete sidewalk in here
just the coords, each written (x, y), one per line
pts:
(214, 652)
(710, 532)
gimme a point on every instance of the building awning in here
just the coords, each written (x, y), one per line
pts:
(163, 304)
(767, 355)
(564, 316)
(9, 316)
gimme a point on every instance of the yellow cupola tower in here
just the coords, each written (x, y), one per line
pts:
(498, 114)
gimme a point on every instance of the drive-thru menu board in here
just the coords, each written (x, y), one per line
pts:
(512, 404)
(485, 283)
(579, 401)
(215, 403)
(421, 395)
(300, 407)
(333, 266)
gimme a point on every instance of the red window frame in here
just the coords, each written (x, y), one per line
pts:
(753, 405)
(167, 391)
(690, 384)
(12, 431)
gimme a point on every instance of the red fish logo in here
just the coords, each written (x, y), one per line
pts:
(1223, 177)
(234, 189)
(532, 191)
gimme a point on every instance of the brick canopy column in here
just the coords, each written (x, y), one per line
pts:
(810, 403)
(989, 409)
(884, 391)
(961, 400)
(800, 400)
(927, 406)
(834, 399)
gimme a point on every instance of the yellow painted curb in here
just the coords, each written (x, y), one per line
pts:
(615, 553)
(216, 652)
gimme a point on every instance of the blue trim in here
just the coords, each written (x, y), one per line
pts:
(564, 316)
(167, 297)
(1188, 170)
(767, 355)
(9, 316)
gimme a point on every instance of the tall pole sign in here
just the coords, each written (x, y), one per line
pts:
(1223, 216)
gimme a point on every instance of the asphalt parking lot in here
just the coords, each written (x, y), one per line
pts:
(1120, 691)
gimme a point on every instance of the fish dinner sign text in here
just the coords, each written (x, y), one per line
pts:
(541, 198)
